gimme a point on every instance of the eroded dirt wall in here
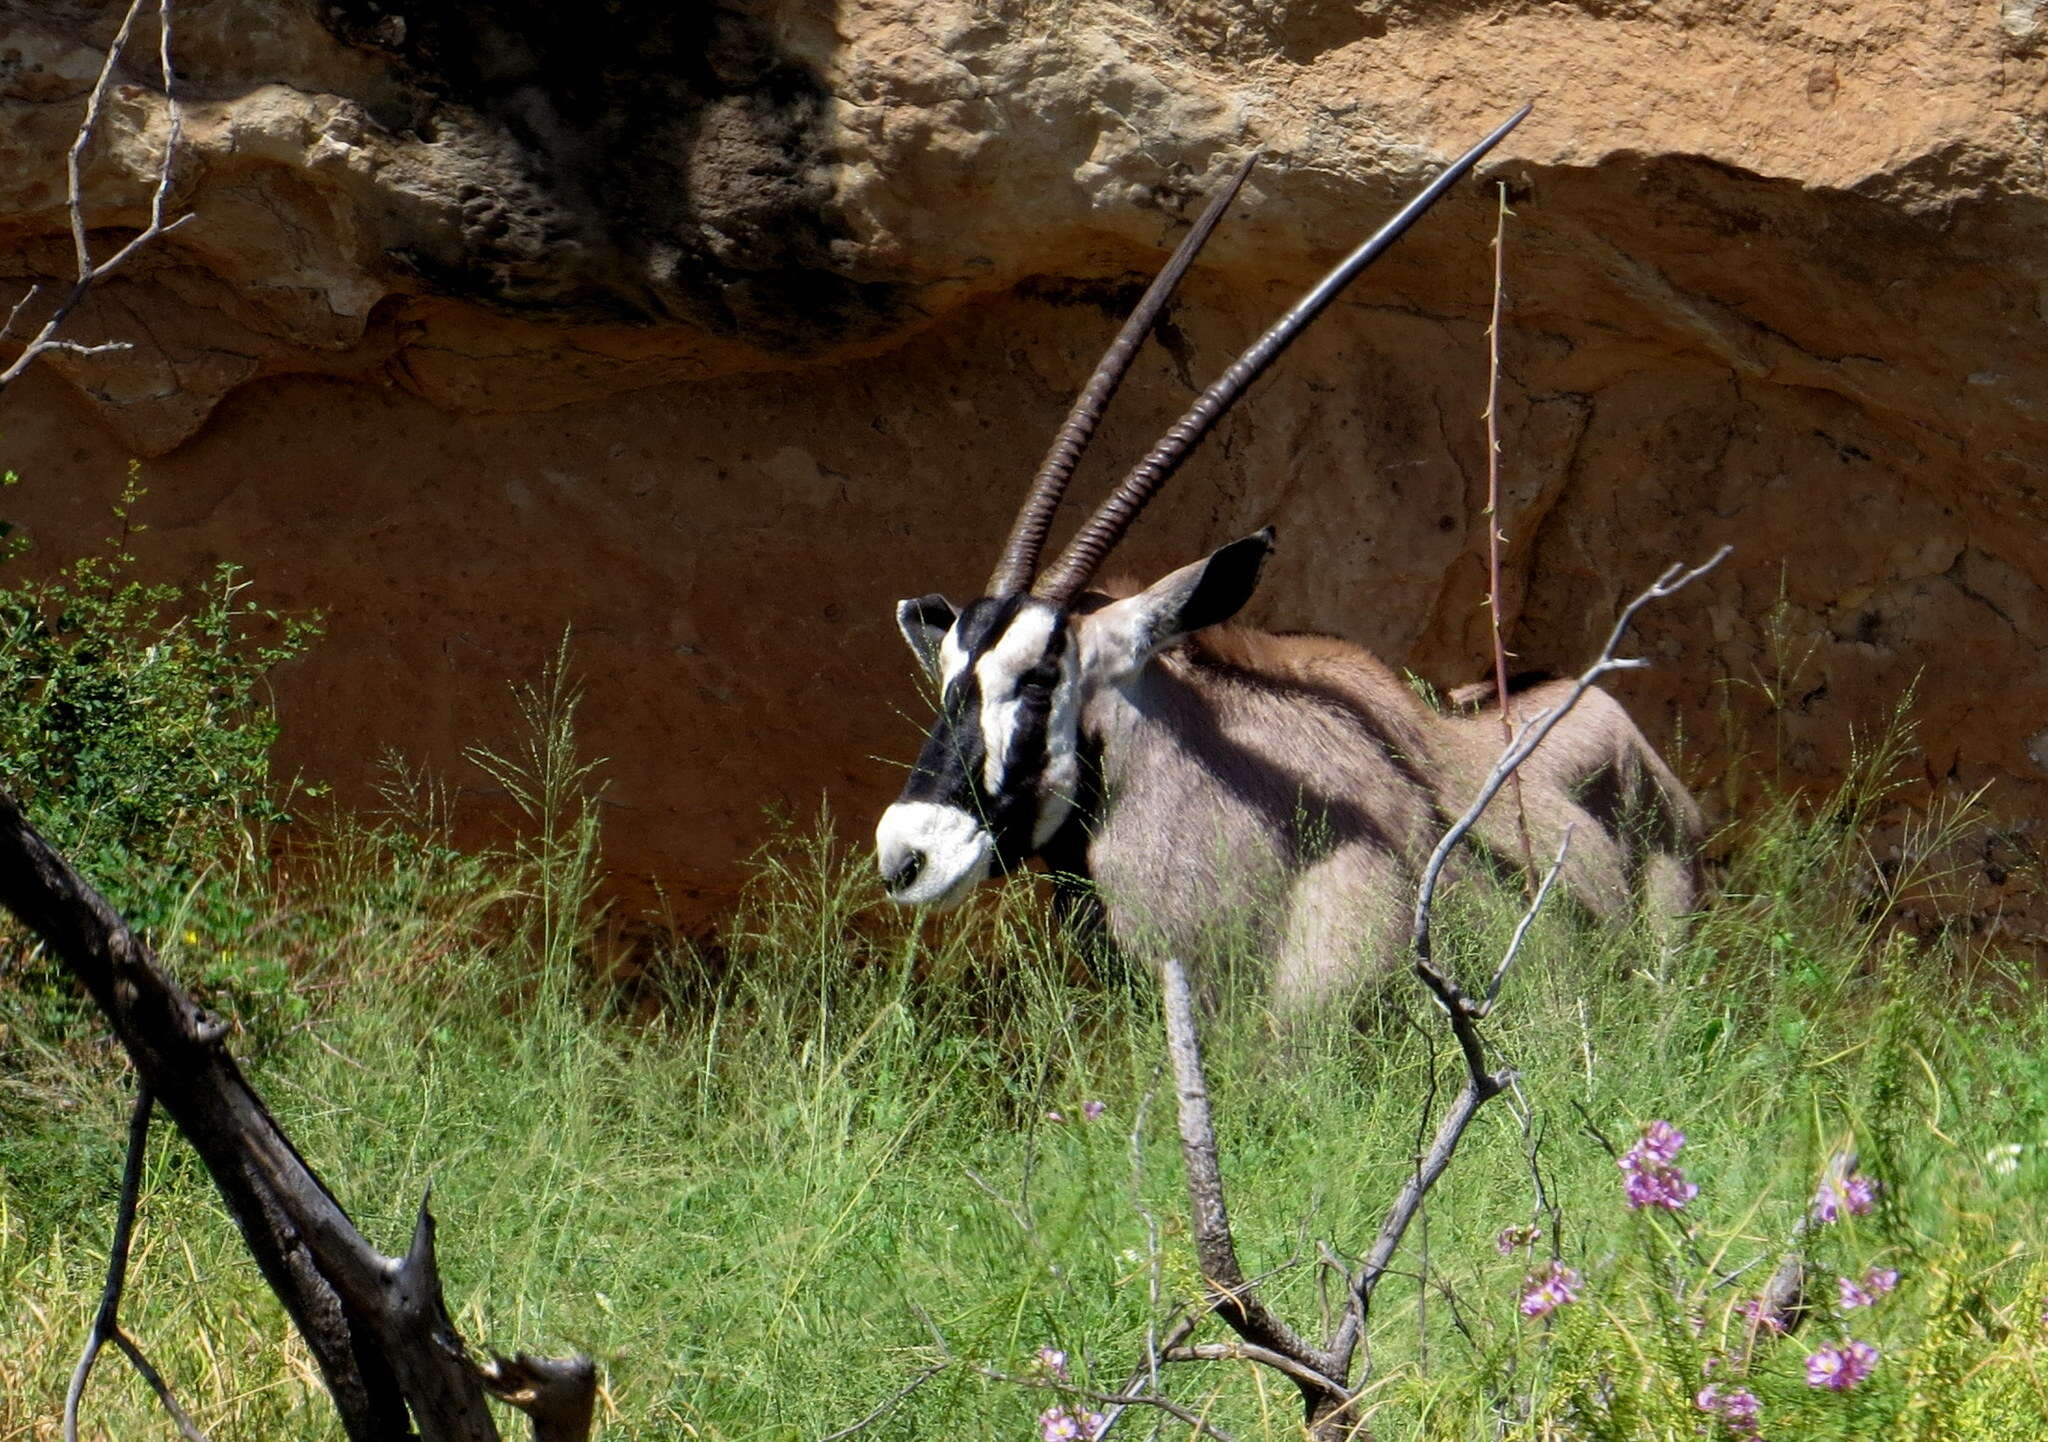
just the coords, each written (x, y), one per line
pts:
(708, 339)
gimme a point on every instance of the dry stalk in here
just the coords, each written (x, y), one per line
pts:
(1494, 535)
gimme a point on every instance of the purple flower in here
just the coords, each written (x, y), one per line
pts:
(1057, 1424)
(1546, 1291)
(1053, 1361)
(1876, 1282)
(1055, 1116)
(1660, 1143)
(1739, 1408)
(1854, 1194)
(1652, 1178)
(1512, 1238)
(1840, 1368)
(1658, 1186)
(1759, 1315)
(1092, 1111)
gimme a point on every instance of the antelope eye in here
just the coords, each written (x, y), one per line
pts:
(1042, 677)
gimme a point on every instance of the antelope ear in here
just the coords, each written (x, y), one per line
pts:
(1124, 635)
(924, 623)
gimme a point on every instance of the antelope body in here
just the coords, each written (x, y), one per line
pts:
(1230, 792)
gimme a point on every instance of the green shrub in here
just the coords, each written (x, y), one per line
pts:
(136, 730)
(134, 716)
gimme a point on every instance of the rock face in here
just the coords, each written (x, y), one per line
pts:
(708, 331)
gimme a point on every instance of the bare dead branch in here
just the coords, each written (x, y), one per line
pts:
(75, 347)
(14, 311)
(1307, 1378)
(106, 1322)
(1592, 1129)
(1324, 1375)
(1532, 1152)
(89, 271)
(1521, 933)
(1674, 579)
(1231, 1297)
(1413, 1189)
(1146, 1374)
(1153, 1284)
(377, 1326)
(153, 1379)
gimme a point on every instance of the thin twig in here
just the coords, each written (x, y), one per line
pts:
(1119, 1400)
(1323, 1375)
(106, 1322)
(132, 1350)
(1532, 1151)
(1146, 1373)
(1153, 1279)
(1783, 1303)
(14, 311)
(1500, 973)
(1481, 1085)
(89, 271)
(889, 1403)
(1592, 1129)
(1674, 579)
(1417, 1157)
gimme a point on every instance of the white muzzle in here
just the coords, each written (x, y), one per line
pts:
(931, 855)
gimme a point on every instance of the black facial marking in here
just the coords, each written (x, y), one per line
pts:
(951, 768)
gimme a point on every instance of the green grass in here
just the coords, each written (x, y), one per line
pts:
(770, 1185)
(765, 1189)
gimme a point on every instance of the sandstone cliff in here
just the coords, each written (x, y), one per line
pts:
(710, 330)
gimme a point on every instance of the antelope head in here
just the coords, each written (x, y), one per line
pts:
(1000, 770)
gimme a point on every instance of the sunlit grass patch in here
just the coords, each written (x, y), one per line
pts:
(771, 1185)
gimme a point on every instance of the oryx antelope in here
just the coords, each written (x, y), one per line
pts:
(1223, 787)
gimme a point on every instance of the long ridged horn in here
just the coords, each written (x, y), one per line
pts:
(1027, 537)
(1092, 543)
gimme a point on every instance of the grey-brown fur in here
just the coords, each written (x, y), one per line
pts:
(1262, 796)
(1276, 796)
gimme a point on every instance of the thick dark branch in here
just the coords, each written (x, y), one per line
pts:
(176, 1048)
(377, 1327)
(559, 1394)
